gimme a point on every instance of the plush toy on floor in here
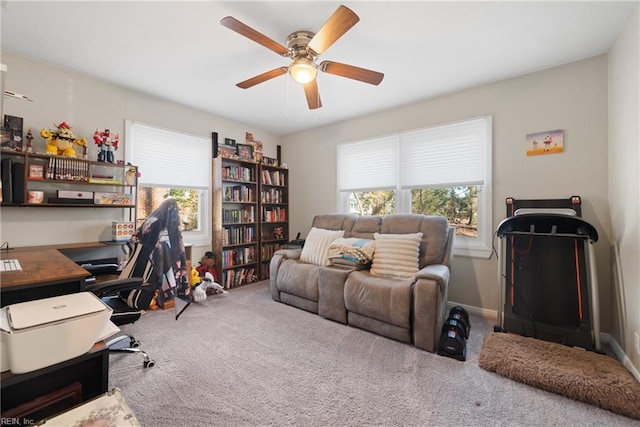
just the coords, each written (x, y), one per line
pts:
(200, 291)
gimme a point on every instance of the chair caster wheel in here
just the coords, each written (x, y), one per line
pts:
(149, 363)
(135, 343)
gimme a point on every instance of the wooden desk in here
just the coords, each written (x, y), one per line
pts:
(45, 273)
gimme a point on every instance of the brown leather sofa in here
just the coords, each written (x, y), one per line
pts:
(410, 310)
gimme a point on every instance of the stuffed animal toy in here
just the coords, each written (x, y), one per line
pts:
(207, 265)
(194, 277)
(200, 291)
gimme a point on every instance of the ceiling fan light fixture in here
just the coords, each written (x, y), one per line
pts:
(303, 71)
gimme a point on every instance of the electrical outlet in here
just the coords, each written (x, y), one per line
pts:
(637, 341)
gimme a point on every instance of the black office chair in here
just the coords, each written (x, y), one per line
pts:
(128, 296)
(156, 268)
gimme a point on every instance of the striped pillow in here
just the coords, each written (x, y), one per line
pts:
(316, 245)
(396, 255)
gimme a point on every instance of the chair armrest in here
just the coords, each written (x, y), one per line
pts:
(289, 253)
(430, 294)
(274, 265)
(110, 287)
(438, 272)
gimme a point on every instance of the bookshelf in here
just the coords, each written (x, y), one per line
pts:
(250, 214)
(274, 213)
(235, 219)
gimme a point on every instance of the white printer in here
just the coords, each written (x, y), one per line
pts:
(41, 333)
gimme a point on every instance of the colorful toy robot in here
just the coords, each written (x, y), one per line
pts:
(107, 143)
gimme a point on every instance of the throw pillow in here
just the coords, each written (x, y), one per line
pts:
(316, 246)
(357, 251)
(396, 255)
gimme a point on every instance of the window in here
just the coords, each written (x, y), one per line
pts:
(441, 170)
(172, 164)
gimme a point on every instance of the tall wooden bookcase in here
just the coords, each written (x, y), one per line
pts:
(274, 213)
(250, 218)
(235, 219)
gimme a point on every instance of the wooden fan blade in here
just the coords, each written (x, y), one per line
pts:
(261, 78)
(339, 23)
(233, 24)
(313, 96)
(351, 72)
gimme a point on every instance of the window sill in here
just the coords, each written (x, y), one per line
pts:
(472, 252)
(197, 239)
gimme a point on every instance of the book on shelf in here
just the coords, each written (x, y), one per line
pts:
(274, 214)
(238, 173)
(273, 178)
(231, 216)
(239, 193)
(238, 277)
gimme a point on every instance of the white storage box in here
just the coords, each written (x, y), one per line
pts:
(122, 231)
(41, 333)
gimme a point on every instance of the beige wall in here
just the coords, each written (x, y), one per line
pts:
(89, 104)
(571, 97)
(624, 182)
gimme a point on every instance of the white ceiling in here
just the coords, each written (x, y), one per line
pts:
(179, 50)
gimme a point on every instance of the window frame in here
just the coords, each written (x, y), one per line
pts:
(204, 235)
(475, 247)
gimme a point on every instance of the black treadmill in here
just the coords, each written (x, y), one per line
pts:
(547, 273)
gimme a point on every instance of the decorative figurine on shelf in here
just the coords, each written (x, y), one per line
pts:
(131, 175)
(29, 139)
(107, 143)
(60, 141)
(278, 233)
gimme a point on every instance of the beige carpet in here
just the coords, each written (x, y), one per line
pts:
(572, 372)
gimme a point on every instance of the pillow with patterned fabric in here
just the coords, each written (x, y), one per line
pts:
(396, 255)
(316, 245)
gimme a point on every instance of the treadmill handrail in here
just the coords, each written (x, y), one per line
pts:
(548, 224)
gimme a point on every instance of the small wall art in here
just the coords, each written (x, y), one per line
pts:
(549, 142)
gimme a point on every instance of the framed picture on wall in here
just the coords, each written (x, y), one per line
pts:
(549, 142)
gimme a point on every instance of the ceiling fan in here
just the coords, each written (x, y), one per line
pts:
(303, 47)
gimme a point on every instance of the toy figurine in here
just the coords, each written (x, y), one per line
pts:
(60, 141)
(107, 143)
(30, 141)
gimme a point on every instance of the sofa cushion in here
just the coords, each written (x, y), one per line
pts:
(356, 251)
(298, 278)
(316, 246)
(365, 226)
(387, 300)
(335, 222)
(396, 255)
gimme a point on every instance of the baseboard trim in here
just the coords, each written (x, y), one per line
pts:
(620, 354)
(483, 312)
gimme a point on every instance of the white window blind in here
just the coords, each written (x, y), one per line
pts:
(368, 165)
(444, 156)
(168, 158)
